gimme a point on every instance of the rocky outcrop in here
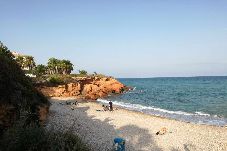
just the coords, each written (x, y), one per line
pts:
(85, 88)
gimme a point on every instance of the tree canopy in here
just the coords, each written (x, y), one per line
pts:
(5, 52)
(56, 66)
(83, 72)
(26, 62)
(40, 70)
(16, 89)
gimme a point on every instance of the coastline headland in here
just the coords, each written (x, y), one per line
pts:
(98, 128)
(88, 88)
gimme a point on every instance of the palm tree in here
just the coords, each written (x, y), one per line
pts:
(56, 66)
(29, 62)
(40, 70)
(52, 65)
(20, 61)
(67, 66)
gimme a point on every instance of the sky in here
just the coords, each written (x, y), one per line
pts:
(121, 38)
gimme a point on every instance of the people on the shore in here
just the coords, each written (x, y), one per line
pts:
(108, 108)
(105, 108)
(119, 144)
(111, 106)
(162, 131)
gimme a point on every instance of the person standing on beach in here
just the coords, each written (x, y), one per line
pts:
(111, 106)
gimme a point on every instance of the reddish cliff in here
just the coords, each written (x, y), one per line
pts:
(85, 88)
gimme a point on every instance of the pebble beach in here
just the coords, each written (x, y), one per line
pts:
(98, 128)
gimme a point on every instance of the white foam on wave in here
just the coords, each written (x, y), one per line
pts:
(139, 107)
(135, 91)
(197, 117)
(202, 114)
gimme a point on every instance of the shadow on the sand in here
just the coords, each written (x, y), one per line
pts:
(138, 138)
(99, 134)
(187, 147)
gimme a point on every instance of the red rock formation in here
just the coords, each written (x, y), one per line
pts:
(86, 88)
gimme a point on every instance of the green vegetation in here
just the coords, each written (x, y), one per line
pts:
(20, 127)
(20, 61)
(40, 70)
(82, 72)
(17, 93)
(16, 89)
(56, 66)
(35, 138)
(26, 62)
(56, 80)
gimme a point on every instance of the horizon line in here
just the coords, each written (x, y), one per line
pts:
(170, 77)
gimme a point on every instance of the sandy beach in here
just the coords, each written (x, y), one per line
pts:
(99, 128)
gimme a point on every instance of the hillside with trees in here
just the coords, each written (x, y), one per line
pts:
(17, 92)
(54, 66)
(23, 110)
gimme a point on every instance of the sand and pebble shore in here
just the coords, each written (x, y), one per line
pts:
(99, 128)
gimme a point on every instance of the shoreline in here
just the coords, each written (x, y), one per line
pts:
(131, 110)
(99, 128)
(162, 117)
(168, 118)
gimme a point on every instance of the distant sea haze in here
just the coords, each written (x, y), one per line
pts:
(192, 99)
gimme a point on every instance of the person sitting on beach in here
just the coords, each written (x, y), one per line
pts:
(162, 131)
(105, 108)
(111, 106)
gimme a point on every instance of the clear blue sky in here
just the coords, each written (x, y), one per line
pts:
(122, 38)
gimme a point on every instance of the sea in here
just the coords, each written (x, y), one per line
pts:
(201, 100)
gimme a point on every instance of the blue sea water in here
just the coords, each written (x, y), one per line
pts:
(192, 99)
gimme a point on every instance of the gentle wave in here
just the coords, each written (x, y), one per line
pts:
(141, 107)
(197, 117)
(204, 114)
(135, 91)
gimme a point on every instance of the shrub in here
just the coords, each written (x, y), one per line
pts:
(16, 90)
(40, 70)
(55, 80)
(35, 138)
